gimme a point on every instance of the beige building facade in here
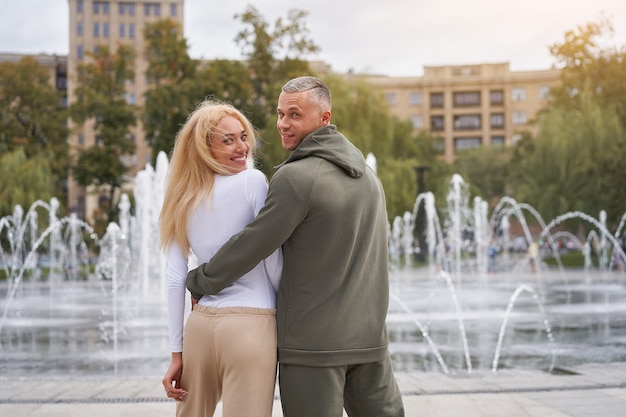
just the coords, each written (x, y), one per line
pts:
(468, 106)
(111, 23)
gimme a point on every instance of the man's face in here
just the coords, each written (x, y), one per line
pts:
(297, 117)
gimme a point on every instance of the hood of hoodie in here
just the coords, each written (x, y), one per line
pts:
(327, 143)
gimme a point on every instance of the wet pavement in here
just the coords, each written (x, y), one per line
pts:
(593, 390)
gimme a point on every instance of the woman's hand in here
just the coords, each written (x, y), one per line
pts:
(171, 380)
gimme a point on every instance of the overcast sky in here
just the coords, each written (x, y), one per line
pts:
(390, 37)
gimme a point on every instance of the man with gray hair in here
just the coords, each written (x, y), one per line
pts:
(326, 208)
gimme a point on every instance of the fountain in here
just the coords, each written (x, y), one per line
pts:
(457, 315)
(461, 312)
(74, 321)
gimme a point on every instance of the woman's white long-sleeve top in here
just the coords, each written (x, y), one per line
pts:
(235, 201)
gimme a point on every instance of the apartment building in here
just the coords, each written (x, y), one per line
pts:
(468, 106)
(109, 23)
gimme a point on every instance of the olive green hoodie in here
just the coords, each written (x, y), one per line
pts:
(326, 208)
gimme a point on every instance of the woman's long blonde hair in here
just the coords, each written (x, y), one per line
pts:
(192, 168)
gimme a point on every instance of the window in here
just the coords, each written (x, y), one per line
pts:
(415, 99)
(61, 82)
(157, 10)
(80, 28)
(146, 9)
(436, 122)
(172, 10)
(131, 30)
(496, 97)
(105, 7)
(466, 143)
(122, 8)
(544, 92)
(467, 122)
(80, 52)
(96, 7)
(105, 30)
(497, 120)
(517, 137)
(133, 159)
(518, 94)
(81, 139)
(122, 30)
(418, 121)
(519, 117)
(131, 99)
(391, 98)
(497, 141)
(466, 99)
(79, 6)
(96, 29)
(436, 100)
(131, 9)
(439, 144)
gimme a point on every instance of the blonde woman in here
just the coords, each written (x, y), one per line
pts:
(228, 350)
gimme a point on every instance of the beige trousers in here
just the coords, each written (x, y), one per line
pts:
(229, 354)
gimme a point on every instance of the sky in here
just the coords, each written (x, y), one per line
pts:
(391, 37)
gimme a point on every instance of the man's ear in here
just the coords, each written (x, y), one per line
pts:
(326, 118)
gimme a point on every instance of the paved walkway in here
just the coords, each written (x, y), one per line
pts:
(586, 391)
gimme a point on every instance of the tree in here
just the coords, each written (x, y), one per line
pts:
(101, 97)
(273, 55)
(167, 53)
(175, 84)
(576, 162)
(24, 180)
(486, 171)
(585, 65)
(32, 119)
(229, 81)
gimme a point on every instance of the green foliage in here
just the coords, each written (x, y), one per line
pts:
(486, 171)
(574, 260)
(32, 118)
(229, 81)
(576, 161)
(101, 97)
(165, 111)
(167, 52)
(175, 85)
(274, 53)
(24, 180)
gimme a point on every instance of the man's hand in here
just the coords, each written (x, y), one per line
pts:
(194, 277)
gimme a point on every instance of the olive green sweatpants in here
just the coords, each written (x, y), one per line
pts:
(364, 390)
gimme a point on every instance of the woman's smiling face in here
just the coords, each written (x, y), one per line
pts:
(229, 144)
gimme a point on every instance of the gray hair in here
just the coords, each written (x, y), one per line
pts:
(318, 90)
